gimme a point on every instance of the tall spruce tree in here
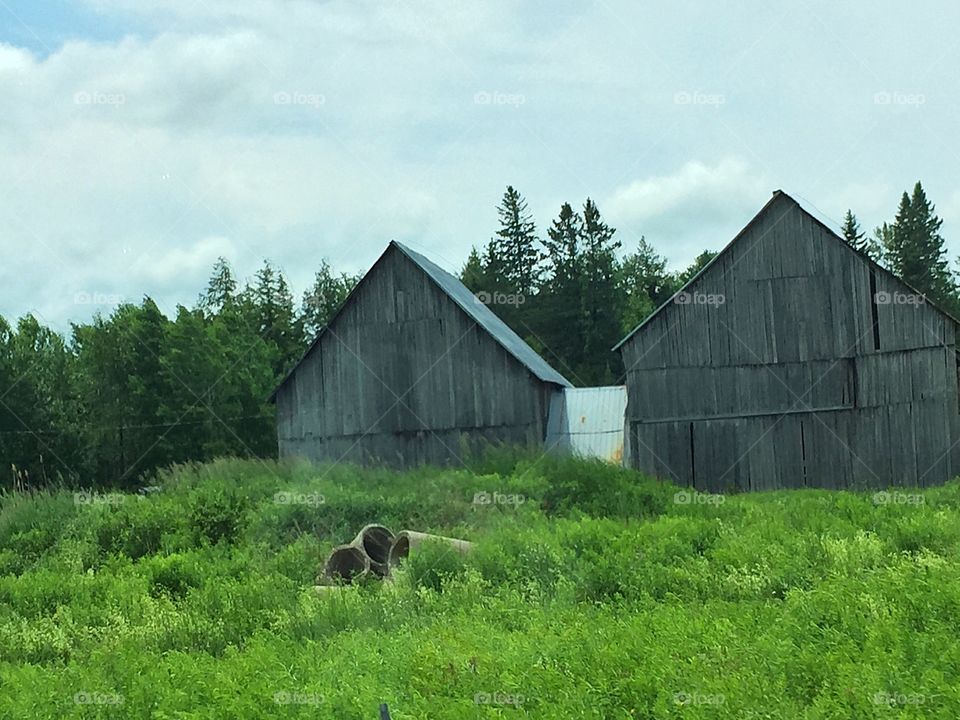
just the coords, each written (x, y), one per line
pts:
(600, 299)
(560, 292)
(852, 233)
(916, 251)
(513, 258)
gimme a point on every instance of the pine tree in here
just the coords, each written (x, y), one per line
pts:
(698, 264)
(513, 260)
(879, 244)
(560, 293)
(917, 251)
(322, 300)
(852, 233)
(645, 284)
(473, 274)
(600, 299)
(221, 289)
(270, 303)
(563, 256)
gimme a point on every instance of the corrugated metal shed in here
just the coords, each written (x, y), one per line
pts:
(500, 331)
(588, 422)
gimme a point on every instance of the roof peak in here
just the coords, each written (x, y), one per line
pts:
(776, 195)
(471, 304)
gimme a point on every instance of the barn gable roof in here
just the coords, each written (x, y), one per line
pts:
(778, 196)
(485, 318)
(470, 304)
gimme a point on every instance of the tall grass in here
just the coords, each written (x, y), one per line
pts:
(591, 592)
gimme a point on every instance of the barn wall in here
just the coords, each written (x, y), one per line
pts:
(797, 377)
(404, 377)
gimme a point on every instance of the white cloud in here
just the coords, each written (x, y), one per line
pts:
(163, 265)
(695, 184)
(14, 60)
(177, 143)
(700, 206)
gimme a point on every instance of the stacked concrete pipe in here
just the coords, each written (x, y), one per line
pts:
(375, 550)
(375, 541)
(346, 564)
(408, 540)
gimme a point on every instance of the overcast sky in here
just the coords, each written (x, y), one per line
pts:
(140, 139)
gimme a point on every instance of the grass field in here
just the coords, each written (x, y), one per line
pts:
(591, 593)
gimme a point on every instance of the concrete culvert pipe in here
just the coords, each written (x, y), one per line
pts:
(375, 541)
(327, 589)
(408, 540)
(346, 563)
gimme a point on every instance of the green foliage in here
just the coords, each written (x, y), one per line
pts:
(599, 489)
(598, 596)
(218, 514)
(134, 527)
(434, 564)
(914, 250)
(852, 233)
(513, 260)
(324, 298)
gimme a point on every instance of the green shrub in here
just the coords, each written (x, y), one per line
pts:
(432, 564)
(134, 527)
(218, 513)
(173, 575)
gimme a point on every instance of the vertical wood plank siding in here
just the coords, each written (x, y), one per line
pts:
(817, 370)
(405, 377)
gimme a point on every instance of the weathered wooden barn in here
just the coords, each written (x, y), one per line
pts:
(412, 369)
(792, 360)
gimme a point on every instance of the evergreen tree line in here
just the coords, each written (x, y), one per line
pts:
(572, 296)
(124, 394)
(135, 391)
(912, 248)
(570, 293)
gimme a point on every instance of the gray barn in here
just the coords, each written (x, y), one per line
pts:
(411, 370)
(792, 360)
